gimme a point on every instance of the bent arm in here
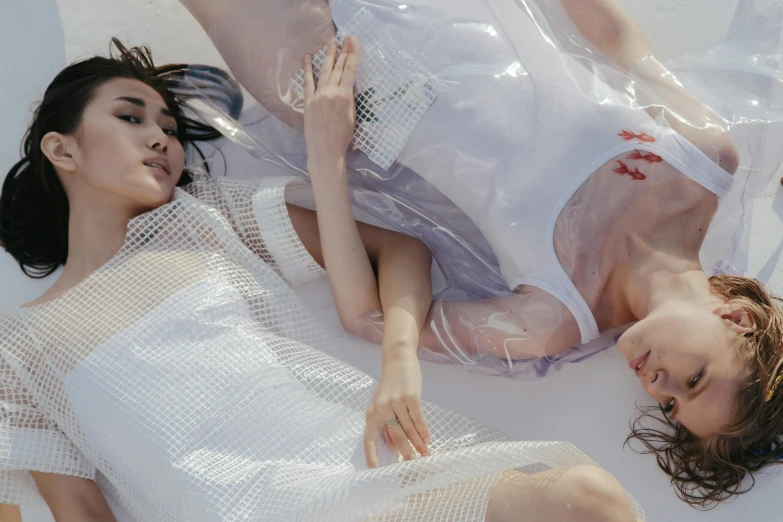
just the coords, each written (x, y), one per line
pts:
(605, 24)
(395, 307)
(526, 325)
(406, 294)
(73, 499)
(345, 258)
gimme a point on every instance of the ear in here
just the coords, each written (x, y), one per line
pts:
(737, 318)
(58, 148)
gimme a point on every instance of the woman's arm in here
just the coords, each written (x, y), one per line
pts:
(405, 293)
(605, 24)
(330, 118)
(529, 324)
(402, 264)
(329, 122)
(9, 513)
(73, 499)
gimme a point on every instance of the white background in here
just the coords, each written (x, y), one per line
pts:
(589, 404)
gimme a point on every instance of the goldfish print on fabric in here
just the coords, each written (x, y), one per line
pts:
(635, 174)
(649, 157)
(630, 136)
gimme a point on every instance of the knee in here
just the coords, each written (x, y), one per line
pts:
(593, 494)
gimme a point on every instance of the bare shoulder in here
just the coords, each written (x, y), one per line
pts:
(60, 287)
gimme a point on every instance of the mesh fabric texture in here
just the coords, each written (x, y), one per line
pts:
(185, 377)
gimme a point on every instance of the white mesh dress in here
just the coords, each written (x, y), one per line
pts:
(185, 377)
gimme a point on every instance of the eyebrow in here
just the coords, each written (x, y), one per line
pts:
(140, 103)
(695, 393)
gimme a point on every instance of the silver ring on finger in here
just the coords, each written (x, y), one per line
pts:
(392, 423)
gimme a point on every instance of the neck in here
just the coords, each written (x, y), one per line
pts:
(654, 278)
(96, 231)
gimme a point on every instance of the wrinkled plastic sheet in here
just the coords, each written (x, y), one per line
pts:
(460, 119)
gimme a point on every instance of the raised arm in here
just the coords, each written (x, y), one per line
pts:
(605, 24)
(329, 122)
(72, 499)
(403, 263)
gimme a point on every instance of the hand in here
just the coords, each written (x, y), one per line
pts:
(398, 395)
(330, 110)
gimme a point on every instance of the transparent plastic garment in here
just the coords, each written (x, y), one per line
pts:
(515, 138)
(186, 379)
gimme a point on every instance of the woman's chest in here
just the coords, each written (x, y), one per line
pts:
(623, 199)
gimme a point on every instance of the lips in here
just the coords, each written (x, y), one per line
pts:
(639, 364)
(159, 164)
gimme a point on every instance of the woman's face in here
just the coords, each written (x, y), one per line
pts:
(127, 147)
(687, 361)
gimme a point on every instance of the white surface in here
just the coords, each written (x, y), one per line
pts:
(589, 404)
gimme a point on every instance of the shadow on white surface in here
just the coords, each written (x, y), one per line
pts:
(32, 52)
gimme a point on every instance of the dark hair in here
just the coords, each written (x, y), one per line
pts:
(706, 471)
(33, 205)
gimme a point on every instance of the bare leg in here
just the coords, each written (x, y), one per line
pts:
(264, 43)
(579, 494)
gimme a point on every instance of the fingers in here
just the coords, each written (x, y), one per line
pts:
(417, 416)
(411, 432)
(371, 443)
(337, 73)
(351, 50)
(396, 438)
(408, 436)
(401, 442)
(336, 70)
(328, 65)
(309, 83)
(389, 440)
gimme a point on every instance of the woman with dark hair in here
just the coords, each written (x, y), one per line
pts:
(593, 175)
(171, 374)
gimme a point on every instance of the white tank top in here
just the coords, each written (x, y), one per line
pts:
(518, 127)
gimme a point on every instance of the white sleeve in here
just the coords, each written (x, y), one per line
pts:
(29, 441)
(257, 211)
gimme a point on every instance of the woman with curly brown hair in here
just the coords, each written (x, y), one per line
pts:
(633, 193)
(172, 374)
(712, 444)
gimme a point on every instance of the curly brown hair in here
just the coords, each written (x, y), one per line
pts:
(706, 471)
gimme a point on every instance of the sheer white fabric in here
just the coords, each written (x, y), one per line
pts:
(185, 377)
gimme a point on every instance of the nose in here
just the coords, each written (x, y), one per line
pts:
(159, 141)
(661, 385)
